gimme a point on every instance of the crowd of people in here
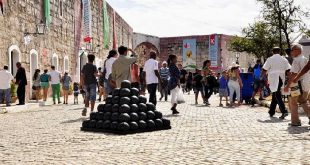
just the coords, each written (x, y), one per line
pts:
(276, 76)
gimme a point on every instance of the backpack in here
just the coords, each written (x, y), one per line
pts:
(257, 72)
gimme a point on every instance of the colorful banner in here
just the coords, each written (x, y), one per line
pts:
(189, 53)
(114, 31)
(213, 50)
(106, 26)
(87, 18)
(47, 12)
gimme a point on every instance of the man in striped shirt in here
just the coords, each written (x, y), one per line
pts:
(164, 74)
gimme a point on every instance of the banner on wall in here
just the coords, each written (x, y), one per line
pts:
(213, 49)
(189, 53)
(87, 18)
(47, 12)
(106, 26)
(114, 32)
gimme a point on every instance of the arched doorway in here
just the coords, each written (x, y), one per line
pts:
(14, 57)
(66, 64)
(144, 50)
(34, 64)
(55, 61)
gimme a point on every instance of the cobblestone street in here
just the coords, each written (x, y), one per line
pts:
(200, 135)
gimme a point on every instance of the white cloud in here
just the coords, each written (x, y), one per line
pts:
(192, 17)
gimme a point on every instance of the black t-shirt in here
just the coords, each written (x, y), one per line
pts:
(89, 71)
(183, 75)
(197, 79)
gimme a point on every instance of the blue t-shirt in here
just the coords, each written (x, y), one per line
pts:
(223, 83)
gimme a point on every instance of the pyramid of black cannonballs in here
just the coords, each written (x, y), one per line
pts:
(126, 112)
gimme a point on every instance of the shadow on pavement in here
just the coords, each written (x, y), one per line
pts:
(74, 121)
(272, 120)
(297, 130)
(171, 115)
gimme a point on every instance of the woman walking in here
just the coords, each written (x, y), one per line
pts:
(189, 82)
(45, 78)
(234, 85)
(174, 82)
(36, 84)
(66, 80)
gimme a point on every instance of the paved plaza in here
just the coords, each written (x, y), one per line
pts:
(199, 135)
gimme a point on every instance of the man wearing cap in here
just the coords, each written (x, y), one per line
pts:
(164, 74)
(276, 66)
(121, 68)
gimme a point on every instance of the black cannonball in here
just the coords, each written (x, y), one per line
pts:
(124, 117)
(107, 124)
(142, 124)
(134, 92)
(125, 92)
(142, 115)
(134, 99)
(125, 108)
(134, 108)
(124, 100)
(126, 84)
(134, 116)
(133, 125)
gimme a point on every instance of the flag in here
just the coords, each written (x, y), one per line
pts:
(87, 13)
(106, 26)
(114, 32)
(47, 12)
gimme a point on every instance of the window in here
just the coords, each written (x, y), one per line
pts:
(61, 7)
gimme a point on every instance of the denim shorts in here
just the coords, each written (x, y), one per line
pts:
(91, 91)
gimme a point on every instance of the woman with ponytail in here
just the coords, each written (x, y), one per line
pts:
(174, 82)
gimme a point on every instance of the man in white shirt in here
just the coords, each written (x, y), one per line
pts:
(107, 70)
(299, 62)
(152, 76)
(276, 66)
(55, 81)
(5, 85)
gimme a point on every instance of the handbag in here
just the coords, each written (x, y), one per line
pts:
(180, 97)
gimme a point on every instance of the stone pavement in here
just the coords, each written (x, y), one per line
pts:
(199, 135)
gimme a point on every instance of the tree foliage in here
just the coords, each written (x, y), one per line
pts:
(259, 39)
(285, 16)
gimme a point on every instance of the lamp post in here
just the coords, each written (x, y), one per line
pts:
(40, 30)
(237, 58)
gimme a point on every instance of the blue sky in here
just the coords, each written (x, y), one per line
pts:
(189, 17)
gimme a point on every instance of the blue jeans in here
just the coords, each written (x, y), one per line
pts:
(91, 92)
(7, 94)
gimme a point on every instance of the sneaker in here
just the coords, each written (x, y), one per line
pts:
(84, 112)
(174, 112)
(207, 103)
(196, 103)
(221, 105)
(227, 104)
(283, 116)
(59, 102)
(294, 124)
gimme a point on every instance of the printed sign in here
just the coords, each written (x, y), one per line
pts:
(189, 53)
(213, 50)
(87, 18)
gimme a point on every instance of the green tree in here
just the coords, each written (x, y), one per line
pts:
(285, 16)
(259, 39)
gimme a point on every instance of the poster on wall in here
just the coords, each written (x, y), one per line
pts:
(213, 49)
(189, 53)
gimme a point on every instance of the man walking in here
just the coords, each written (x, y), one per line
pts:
(301, 96)
(55, 81)
(21, 81)
(276, 66)
(258, 83)
(89, 83)
(183, 77)
(164, 75)
(5, 90)
(152, 76)
(121, 68)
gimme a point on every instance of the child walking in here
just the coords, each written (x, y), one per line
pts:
(223, 90)
(76, 92)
